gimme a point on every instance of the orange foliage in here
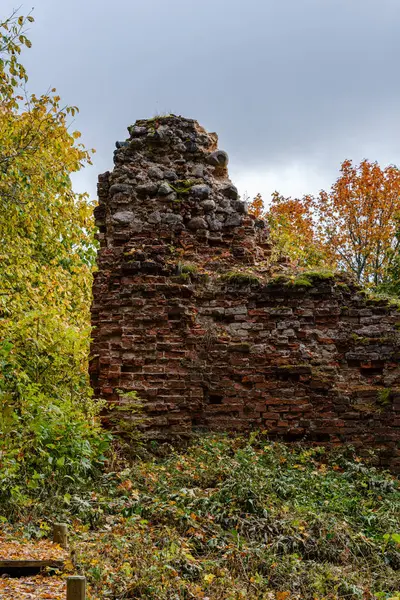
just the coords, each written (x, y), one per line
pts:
(354, 226)
(295, 213)
(293, 230)
(256, 207)
(357, 219)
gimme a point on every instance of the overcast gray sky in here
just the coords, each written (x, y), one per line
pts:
(292, 87)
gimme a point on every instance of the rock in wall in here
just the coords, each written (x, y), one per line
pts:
(185, 311)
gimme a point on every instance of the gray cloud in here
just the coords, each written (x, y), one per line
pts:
(284, 82)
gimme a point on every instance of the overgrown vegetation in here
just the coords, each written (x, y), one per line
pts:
(51, 444)
(234, 518)
(50, 441)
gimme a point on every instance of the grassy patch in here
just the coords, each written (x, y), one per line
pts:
(280, 280)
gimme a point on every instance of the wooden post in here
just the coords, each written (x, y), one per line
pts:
(76, 588)
(60, 534)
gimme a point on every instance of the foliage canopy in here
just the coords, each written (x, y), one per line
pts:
(46, 256)
(355, 226)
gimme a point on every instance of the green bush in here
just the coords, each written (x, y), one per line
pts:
(51, 444)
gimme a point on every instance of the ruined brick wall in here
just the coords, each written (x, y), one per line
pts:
(186, 312)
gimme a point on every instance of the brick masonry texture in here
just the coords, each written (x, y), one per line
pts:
(186, 312)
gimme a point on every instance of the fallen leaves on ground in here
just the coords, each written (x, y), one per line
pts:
(39, 587)
(30, 550)
(32, 588)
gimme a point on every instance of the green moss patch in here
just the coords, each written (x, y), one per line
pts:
(241, 278)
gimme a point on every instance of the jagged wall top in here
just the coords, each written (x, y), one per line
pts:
(170, 179)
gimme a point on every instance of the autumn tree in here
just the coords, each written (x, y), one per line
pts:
(357, 220)
(46, 251)
(45, 229)
(293, 230)
(353, 227)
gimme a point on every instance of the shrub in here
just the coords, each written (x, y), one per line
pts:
(51, 444)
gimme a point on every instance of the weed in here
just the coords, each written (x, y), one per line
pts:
(384, 396)
(183, 186)
(188, 268)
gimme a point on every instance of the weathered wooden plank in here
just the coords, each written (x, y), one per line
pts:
(31, 564)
